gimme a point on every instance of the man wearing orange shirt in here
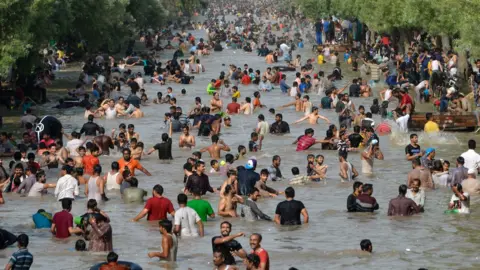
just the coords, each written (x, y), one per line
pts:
(89, 161)
(255, 240)
(132, 164)
(256, 101)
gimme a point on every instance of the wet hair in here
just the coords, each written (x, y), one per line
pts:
(472, 144)
(261, 117)
(22, 240)
(226, 222)
(264, 172)
(115, 166)
(228, 188)
(229, 158)
(295, 171)
(80, 245)
(66, 203)
(356, 185)
(133, 182)
(241, 147)
(182, 198)
(158, 189)
(252, 135)
(112, 257)
(290, 192)
(92, 204)
(215, 138)
(213, 162)
(461, 160)
(402, 189)
(198, 154)
(97, 169)
(365, 244)
(254, 258)
(231, 172)
(367, 187)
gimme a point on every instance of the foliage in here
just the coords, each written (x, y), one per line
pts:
(27, 26)
(454, 18)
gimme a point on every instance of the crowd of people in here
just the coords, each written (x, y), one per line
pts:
(79, 159)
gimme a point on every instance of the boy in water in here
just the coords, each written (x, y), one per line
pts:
(252, 145)
(242, 151)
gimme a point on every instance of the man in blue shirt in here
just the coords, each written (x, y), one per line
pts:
(21, 259)
(42, 219)
(283, 84)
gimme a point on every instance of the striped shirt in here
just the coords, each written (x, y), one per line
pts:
(21, 259)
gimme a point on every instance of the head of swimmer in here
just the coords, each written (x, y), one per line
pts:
(218, 258)
(165, 226)
(366, 245)
(127, 154)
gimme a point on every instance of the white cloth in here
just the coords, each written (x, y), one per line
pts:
(418, 198)
(186, 217)
(403, 123)
(472, 159)
(263, 128)
(67, 187)
(110, 113)
(72, 147)
(293, 91)
(112, 181)
(93, 189)
(462, 206)
(435, 65)
(37, 190)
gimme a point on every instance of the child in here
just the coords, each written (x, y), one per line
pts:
(252, 145)
(242, 150)
(261, 185)
(297, 178)
(215, 166)
(346, 55)
(310, 161)
(80, 245)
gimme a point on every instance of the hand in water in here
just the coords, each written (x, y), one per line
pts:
(151, 254)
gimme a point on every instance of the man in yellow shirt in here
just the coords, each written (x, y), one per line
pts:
(430, 126)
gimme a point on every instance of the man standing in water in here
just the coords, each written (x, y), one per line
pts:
(347, 171)
(215, 148)
(128, 164)
(164, 148)
(186, 140)
(169, 242)
(372, 152)
(312, 117)
(185, 218)
(22, 258)
(306, 141)
(419, 172)
(199, 180)
(219, 261)
(472, 158)
(352, 198)
(366, 202)
(288, 212)
(227, 245)
(90, 128)
(274, 169)
(413, 151)
(103, 141)
(402, 206)
(156, 207)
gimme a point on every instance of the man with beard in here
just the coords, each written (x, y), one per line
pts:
(227, 245)
(279, 126)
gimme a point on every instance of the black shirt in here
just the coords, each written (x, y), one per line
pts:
(412, 150)
(134, 86)
(319, 27)
(289, 212)
(280, 128)
(164, 149)
(352, 203)
(355, 140)
(90, 129)
(354, 90)
(225, 248)
(198, 181)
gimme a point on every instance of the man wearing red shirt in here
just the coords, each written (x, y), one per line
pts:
(47, 140)
(62, 223)
(306, 141)
(156, 207)
(234, 107)
(255, 240)
(405, 100)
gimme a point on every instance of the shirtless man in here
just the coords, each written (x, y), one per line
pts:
(120, 106)
(231, 180)
(131, 132)
(104, 141)
(217, 146)
(169, 242)
(186, 140)
(297, 103)
(227, 207)
(137, 113)
(79, 159)
(419, 172)
(216, 103)
(247, 107)
(313, 117)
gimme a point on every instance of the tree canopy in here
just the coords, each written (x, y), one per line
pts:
(27, 26)
(453, 18)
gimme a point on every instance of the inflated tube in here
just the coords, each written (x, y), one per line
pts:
(49, 125)
(133, 266)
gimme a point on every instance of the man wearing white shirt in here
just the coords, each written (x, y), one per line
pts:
(67, 185)
(472, 158)
(285, 49)
(73, 144)
(185, 219)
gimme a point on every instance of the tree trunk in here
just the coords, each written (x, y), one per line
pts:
(403, 44)
(445, 43)
(372, 37)
(462, 72)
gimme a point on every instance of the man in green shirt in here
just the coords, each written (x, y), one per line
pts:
(202, 207)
